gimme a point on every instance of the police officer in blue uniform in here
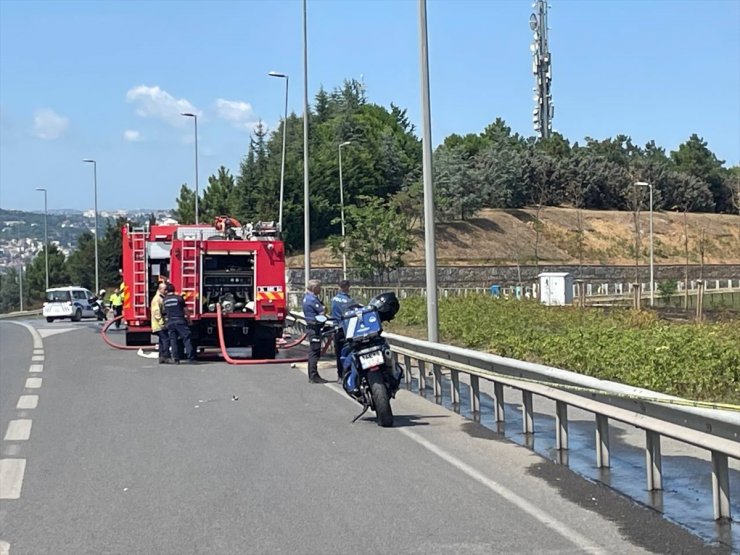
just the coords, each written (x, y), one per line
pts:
(313, 307)
(174, 309)
(339, 304)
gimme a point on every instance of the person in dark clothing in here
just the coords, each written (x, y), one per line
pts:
(313, 307)
(174, 310)
(339, 304)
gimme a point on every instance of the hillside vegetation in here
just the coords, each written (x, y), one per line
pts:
(508, 236)
(636, 348)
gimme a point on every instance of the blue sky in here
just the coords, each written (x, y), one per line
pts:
(106, 80)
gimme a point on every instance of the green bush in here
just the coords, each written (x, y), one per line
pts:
(667, 288)
(698, 361)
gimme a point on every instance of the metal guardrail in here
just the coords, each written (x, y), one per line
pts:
(717, 431)
(20, 314)
(594, 293)
(657, 414)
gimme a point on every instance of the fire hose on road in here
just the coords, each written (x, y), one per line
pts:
(231, 360)
(222, 344)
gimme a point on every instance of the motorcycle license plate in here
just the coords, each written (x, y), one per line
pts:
(371, 359)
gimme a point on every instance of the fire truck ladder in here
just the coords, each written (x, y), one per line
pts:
(189, 287)
(139, 291)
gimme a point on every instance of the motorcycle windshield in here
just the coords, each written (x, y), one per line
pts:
(361, 323)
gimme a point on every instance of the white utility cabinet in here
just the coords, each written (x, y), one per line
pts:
(556, 288)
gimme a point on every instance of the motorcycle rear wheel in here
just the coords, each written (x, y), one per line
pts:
(380, 399)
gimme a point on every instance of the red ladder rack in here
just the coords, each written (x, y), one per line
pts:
(189, 286)
(139, 289)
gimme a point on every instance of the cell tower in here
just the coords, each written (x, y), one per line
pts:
(544, 109)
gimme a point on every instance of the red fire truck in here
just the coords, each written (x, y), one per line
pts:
(240, 267)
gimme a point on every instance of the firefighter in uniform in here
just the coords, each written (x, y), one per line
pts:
(177, 324)
(159, 326)
(313, 307)
(339, 304)
(116, 303)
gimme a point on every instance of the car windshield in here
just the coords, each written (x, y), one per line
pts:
(57, 296)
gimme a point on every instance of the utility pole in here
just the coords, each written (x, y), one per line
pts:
(20, 282)
(306, 203)
(428, 178)
(544, 109)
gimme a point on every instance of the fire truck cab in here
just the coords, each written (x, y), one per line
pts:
(242, 268)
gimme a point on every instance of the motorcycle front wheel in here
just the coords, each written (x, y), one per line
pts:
(381, 401)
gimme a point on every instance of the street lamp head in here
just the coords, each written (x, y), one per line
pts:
(277, 74)
(642, 184)
(89, 161)
(188, 115)
(40, 189)
(345, 143)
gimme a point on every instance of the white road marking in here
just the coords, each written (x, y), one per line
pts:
(37, 358)
(4, 548)
(46, 332)
(33, 383)
(38, 344)
(18, 430)
(38, 351)
(568, 533)
(28, 402)
(11, 477)
(36, 368)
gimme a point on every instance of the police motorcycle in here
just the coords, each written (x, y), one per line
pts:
(98, 306)
(370, 376)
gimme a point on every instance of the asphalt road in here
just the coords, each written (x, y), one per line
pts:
(127, 456)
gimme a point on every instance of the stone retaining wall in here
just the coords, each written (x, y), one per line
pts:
(484, 276)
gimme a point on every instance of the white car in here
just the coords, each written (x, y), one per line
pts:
(68, 302)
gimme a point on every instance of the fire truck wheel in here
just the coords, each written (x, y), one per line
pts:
(264, 350)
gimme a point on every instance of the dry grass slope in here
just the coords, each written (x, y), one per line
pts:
(508, 237)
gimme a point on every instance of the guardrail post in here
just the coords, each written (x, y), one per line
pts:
(561, 425)
(455, 387)
(498, 395)
(602, 441)
(527, 413)
(720, 486)
(437, 381)
(653, 461)
(407, 371)
(422, 377)
(474, 394)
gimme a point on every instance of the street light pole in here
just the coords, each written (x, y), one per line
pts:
(341, 204)
(20, 282)
(429, 243)
(306, 206)
(195, 119)
(652, 274)
(282, 161)
(46, 235)
(95, 188)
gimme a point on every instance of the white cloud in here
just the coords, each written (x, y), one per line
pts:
(49, 125)
(239, 114)
(131, 135)
(158, 103)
